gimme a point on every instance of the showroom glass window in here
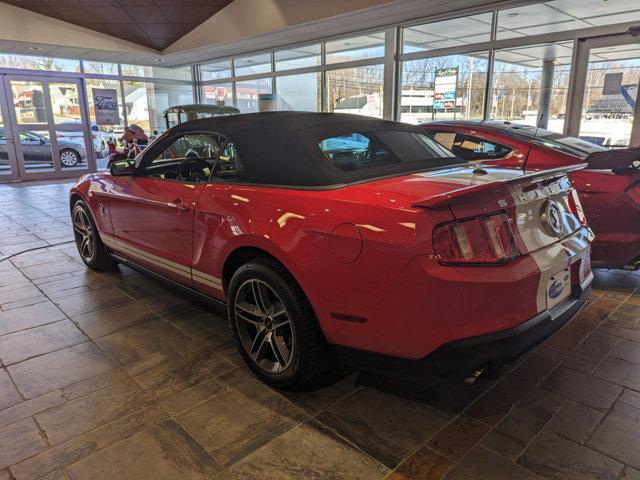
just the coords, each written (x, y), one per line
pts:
(355, 48)
(356, 90)
(181, 73)
(218, 94)
(518, 83)
(254, 95)
(8, 60)
(300, 57)
(253, 64)
(607, 119)
(447, 33)
(145, 103)
(300, 92)
(100, 68)
(216, 70)
(451, 87)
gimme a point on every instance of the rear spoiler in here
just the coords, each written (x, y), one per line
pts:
(448, 198)
(620, 161)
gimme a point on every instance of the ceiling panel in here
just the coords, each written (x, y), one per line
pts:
(152, 23)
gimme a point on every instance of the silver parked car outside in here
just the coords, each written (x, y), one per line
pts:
(36, 149)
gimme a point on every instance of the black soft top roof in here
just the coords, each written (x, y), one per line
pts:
(281, 148)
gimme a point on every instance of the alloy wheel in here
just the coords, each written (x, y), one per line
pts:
(68, 158)
(84, 234)
(264, 326)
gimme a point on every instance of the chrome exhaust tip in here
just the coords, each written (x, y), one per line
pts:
(470, 380)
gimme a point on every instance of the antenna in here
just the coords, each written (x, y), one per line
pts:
(535, 134)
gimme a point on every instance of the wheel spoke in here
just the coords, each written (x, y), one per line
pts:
(84, 247)
(283, 322)
(256, 323)
(276, 310)
(89, 247)
(250, 309)
(257, 344)
(78, 224)
(277, 348)
(259, 294)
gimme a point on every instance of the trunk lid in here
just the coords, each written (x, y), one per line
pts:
(537, 204)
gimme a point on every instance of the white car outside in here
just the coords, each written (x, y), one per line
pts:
(99, 138)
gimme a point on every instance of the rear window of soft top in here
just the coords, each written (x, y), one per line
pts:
(363, 150)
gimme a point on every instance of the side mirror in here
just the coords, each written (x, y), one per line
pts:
(43, 141)
(122, 168)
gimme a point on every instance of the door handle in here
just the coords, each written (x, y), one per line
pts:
(178, 204)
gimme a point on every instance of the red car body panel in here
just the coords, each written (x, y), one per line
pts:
(612, 214)
(364, 250)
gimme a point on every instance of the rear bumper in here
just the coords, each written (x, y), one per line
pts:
(462, 357)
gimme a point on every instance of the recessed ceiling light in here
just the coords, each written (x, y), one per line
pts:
(35, 49)
(512, 14)
(159, 60)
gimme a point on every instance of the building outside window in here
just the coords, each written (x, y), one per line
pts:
(356, 90)
(444, 88)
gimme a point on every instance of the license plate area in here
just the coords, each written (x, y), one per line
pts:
(558, 288)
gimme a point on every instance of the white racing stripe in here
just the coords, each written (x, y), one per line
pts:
(550, 254)
(182, 270)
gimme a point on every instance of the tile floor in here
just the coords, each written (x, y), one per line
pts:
(111, 375)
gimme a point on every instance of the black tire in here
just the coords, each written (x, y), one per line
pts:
(307, 355)
(72, 158)
(91, 249)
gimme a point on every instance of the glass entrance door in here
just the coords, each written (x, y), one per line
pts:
(8, 164)
(51, 138)
(606, 110)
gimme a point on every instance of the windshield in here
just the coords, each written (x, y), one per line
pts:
(362, 150)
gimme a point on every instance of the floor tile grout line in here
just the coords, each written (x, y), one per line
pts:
(493, 428)
(603, 418)
(528, 444)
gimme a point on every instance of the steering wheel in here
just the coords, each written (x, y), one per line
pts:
(192, 170)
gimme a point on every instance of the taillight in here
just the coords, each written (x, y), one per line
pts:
(576, 207)
(481, 240)
(634, 193)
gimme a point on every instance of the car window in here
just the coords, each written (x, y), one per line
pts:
(361, 150)
(472, 148)
(189, 158)
(229, 167)
(27, 137)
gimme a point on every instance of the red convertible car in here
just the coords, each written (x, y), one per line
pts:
(333, 232)
(610, 196)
